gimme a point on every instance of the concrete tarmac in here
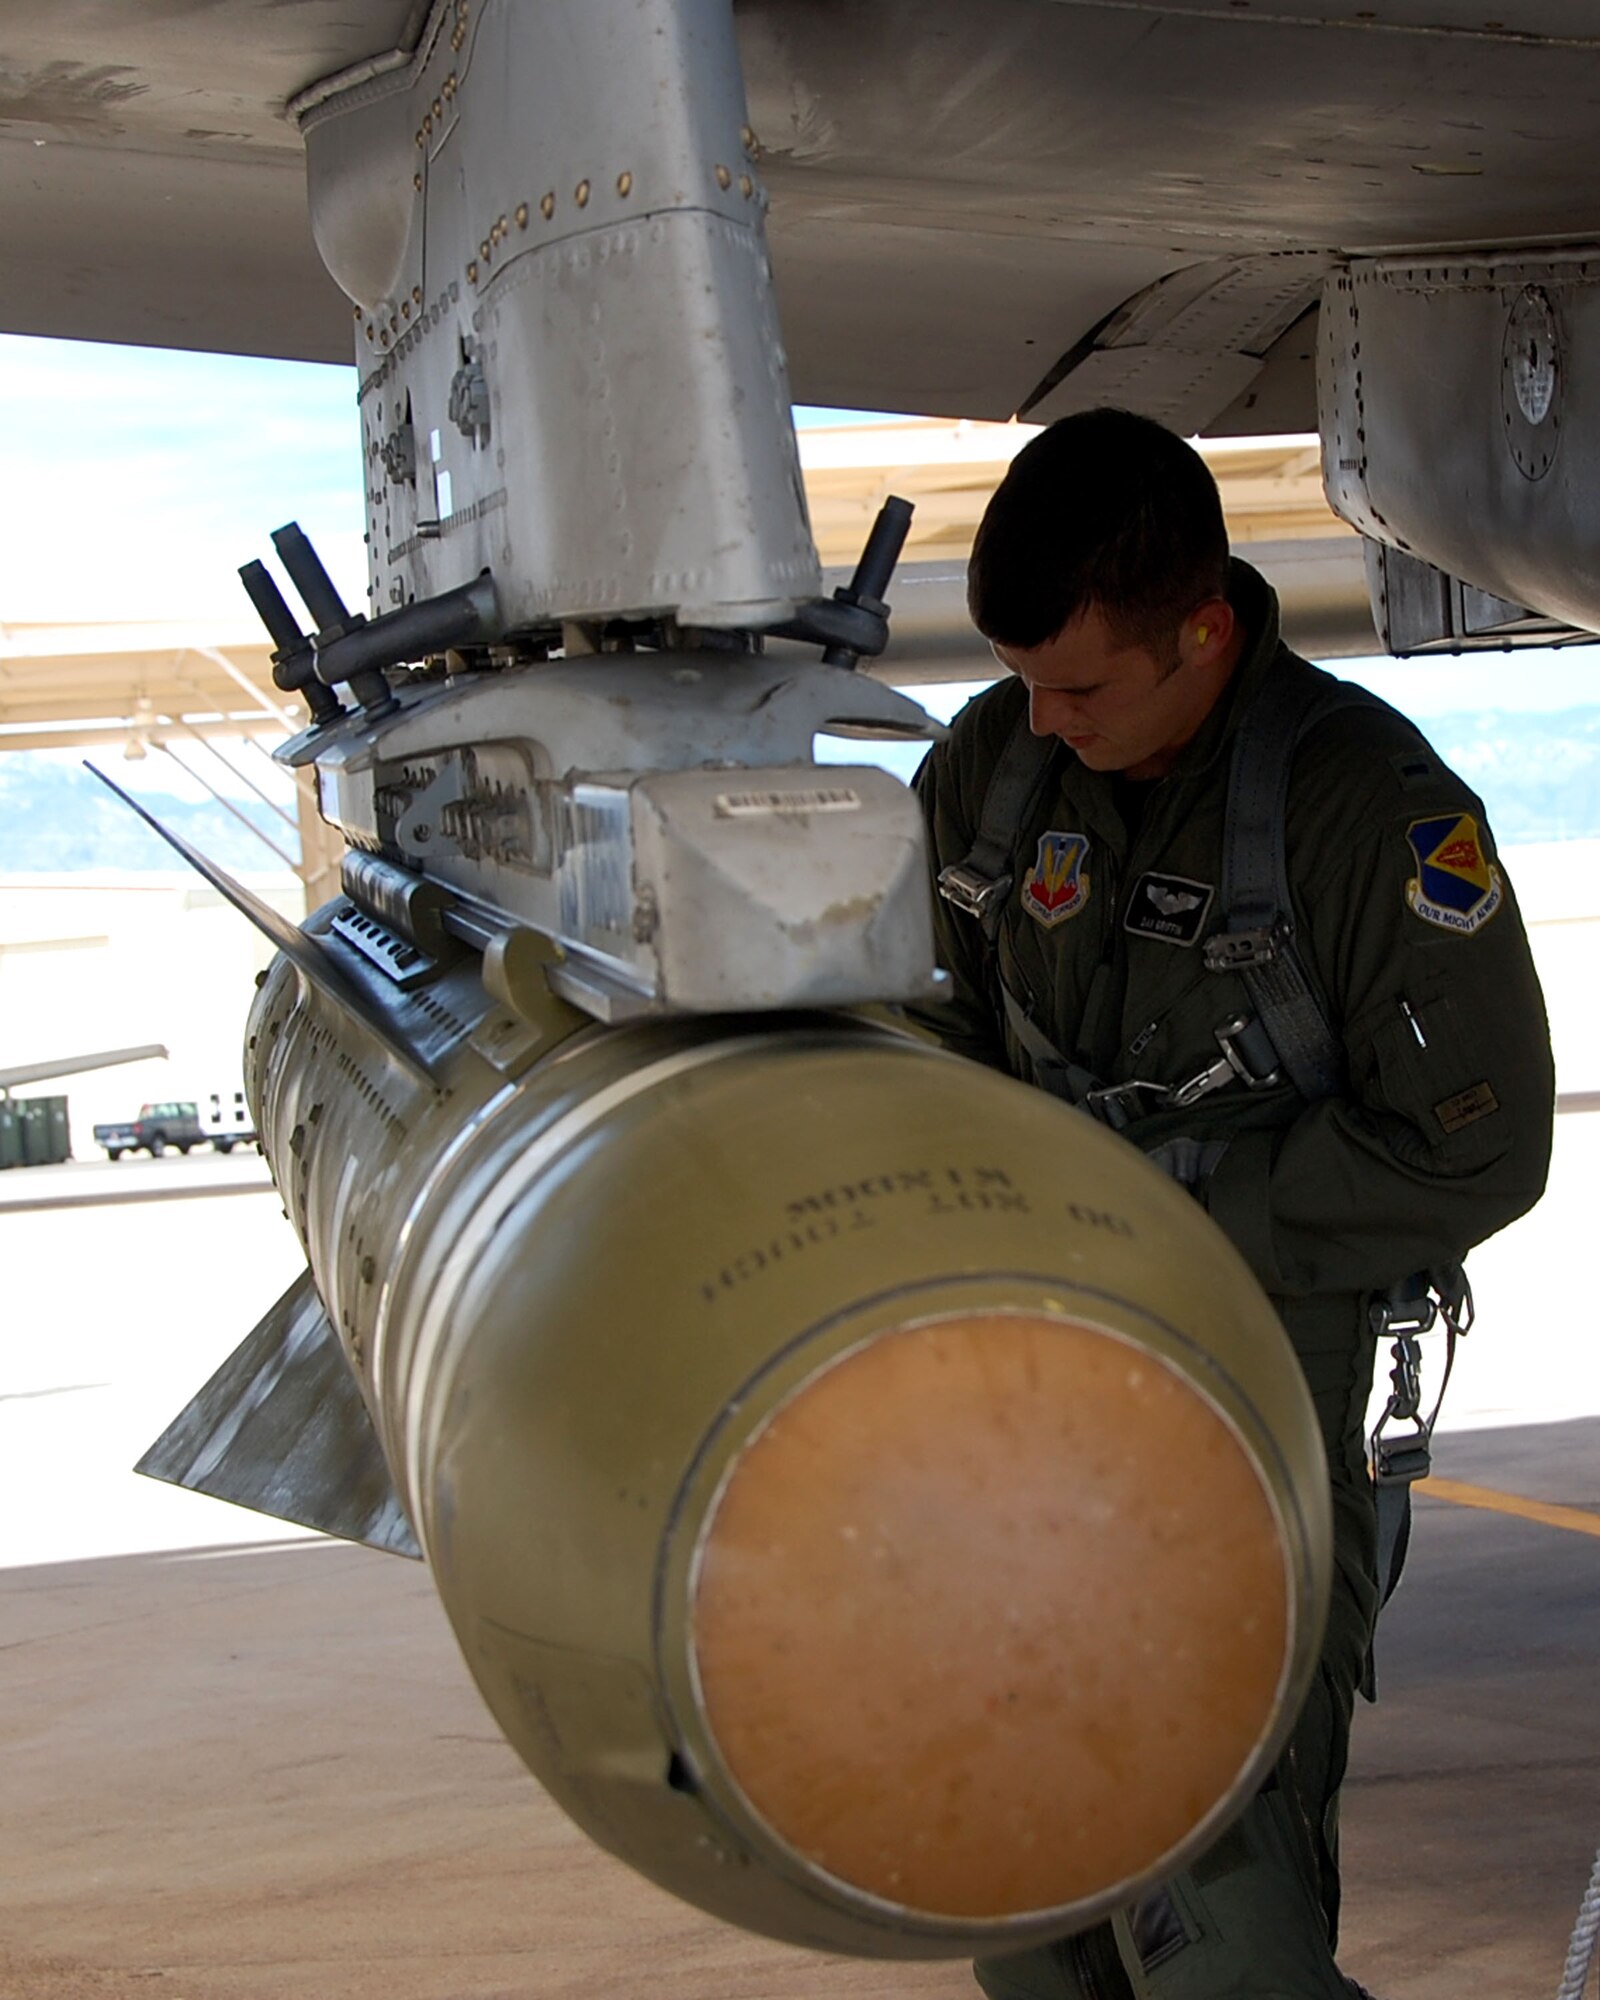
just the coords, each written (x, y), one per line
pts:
(248, 1769)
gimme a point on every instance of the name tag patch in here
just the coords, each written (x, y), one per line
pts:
(1168, 907)
(1466, 1107)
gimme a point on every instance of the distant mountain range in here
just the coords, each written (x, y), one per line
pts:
(1539, 776)
(57, 819)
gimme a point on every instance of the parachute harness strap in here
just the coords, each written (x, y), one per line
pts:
(979, 883)
(1257, 941)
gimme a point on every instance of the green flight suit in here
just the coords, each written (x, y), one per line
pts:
(1410, 935)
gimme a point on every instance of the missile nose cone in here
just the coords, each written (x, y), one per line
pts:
(989, 1615)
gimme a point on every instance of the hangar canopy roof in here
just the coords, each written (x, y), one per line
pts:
(67, 684)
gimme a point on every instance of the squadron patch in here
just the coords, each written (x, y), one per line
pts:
(1454, 887)
(1169, 907)
(1057, 886)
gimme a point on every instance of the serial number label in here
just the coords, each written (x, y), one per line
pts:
(812, 1221)
(762, 805)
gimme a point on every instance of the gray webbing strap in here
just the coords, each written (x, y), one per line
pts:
(1052, 1071)
(1258, 935)
(981, 881)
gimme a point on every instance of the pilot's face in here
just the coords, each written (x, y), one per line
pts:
(1119, 706)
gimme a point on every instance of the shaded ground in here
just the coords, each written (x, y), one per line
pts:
(251, 1772)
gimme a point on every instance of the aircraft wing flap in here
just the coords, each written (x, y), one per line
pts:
(1186, 347)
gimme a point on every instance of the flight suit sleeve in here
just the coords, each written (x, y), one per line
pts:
(966, 1019)
(1443, 1133)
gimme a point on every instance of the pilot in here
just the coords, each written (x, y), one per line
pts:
(1353, 1104)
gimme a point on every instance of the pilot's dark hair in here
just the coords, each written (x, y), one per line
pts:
(1103, 508)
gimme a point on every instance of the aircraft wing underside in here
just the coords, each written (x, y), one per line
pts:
(1029, 206)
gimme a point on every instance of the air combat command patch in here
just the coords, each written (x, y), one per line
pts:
(1454, 887)
(1058, 884)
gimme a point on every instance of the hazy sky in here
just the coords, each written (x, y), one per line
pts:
(140, 478)
(137, 480)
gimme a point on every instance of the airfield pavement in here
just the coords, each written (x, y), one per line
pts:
(245, 1763)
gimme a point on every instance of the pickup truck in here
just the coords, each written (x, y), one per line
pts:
(157, 1127)
(226, 1122)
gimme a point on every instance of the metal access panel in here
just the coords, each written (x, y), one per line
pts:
(1460, 417)
(1419, 609)
(662, 821)
(550, 223)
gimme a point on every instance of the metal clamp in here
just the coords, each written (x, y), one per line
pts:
(974, 894)
(1232, 1063)
(1117, 1104)
(1399, 1460)
(1229, 950)
(1407, 1311)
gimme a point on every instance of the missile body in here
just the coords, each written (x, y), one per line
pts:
(874, 1502)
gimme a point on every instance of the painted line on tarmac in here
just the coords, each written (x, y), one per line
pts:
(1575, 1519)
(117, 1196)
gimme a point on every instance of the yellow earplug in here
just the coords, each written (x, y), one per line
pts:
(1202, 634)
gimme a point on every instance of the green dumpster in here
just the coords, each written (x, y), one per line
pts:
(44, 1130)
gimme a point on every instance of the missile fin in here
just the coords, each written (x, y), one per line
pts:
(308, 955)
(281, 1428)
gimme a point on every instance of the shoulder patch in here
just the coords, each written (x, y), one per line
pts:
(1455, 887)
(1168, 907)
(1057, 886)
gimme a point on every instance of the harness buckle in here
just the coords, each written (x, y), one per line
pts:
(1201, 1084)
(1233, 1062)
(1399, 1460)
(1116, 1104)
(975, 895)
(1406, 1312)
(1227, 951)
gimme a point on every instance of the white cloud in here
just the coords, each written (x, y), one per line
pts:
(137, 480)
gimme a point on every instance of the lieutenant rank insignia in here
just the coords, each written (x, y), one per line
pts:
(1058, 883)
(1454, 887)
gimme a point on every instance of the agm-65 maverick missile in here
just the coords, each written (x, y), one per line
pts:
(873, 1500)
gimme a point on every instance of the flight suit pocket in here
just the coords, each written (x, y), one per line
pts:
(1432, 1069)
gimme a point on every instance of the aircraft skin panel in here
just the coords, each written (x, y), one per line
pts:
(1216, 134)
(960, 196)
(152, 190)
(249, 280)
(1030, 138)
(182, 77)
(967, 326)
